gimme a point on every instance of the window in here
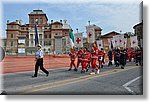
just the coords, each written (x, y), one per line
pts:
(40, 36)
(32, 21)
(36, 21)
(31, 36)
(49, 36)
(56, 26)
(12, 26)
(41, 21)
(11, 43)
(11, 35)
(45, 36)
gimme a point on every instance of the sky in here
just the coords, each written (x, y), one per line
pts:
(110, 15)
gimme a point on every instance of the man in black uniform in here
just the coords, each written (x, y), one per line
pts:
(117, 57)
(122, 58)
(110, 57)
(138, 57)
(39, 62)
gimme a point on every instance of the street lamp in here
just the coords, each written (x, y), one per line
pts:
(89, 22)
(77, 30)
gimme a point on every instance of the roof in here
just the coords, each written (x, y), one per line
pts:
(12, 23)
(57, 23)
(113, 32)
(138, 24)
(95, 27)
(37, 12)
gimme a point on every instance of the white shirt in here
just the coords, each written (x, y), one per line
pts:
(39, 54)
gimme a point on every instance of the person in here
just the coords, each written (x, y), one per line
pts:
(100, 58)
(79, 54)
(117, 57)
(103, 60)
(94, 57)
(123, 58)
(138, 57)
(72, 58)
(110, 54)
(85, 60)
(39, 62)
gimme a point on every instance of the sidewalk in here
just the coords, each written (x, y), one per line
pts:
(12, 64)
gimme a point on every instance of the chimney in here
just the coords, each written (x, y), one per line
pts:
(17, 21)
(20, 22)
(7, 21)
(65, 21)
(51, 21)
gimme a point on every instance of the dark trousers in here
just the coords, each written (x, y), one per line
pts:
(39, 62)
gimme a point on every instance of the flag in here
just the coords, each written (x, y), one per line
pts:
(121, 40)
(118, 40)
(36, 36)
(125, 42)
(90, 34)
(115, 41)
(134, 41)
(78, 40)
(99, 44)
(71, 36)
(110, 42)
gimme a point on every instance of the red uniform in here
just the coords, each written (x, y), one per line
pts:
(79, 54)
(72, 58)
(100, 58)
(85, 61)
(94, 57)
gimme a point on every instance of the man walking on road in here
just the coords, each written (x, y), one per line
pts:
(39, 62)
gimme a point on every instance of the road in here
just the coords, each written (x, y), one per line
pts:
(111, 81)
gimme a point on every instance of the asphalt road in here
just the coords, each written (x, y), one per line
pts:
(110, 81)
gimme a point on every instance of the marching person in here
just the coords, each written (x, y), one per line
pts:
(85, 60)
(138, 57)
(94, 57)
(100, 58)
(79, 54)
(103, 60)
(39, 62)
(117, 57)
(110, 55)
(122, 58)
(72, 58)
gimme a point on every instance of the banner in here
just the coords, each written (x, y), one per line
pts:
(134, 41)
(78, 40)
(111, 43)
(90, 34)
(118, 41)
(99, 44)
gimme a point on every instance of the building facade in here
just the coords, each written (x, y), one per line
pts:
(51, 35)
(138, 30)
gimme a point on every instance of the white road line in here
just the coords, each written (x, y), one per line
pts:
(128, 83)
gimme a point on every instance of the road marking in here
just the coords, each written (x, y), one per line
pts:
(128, 83)
(80, 79)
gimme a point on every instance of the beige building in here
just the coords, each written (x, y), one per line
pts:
(51, 35)
(138, 30)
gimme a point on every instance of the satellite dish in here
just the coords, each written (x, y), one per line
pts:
(2, 53)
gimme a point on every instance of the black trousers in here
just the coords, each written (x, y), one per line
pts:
(39, 63)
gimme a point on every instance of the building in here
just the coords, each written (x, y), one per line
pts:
(51, 35)
(105, 38)
(138, 30)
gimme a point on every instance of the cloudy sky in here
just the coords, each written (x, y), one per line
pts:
(110, 15)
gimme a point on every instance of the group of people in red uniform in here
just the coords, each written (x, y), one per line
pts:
(87, 58)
